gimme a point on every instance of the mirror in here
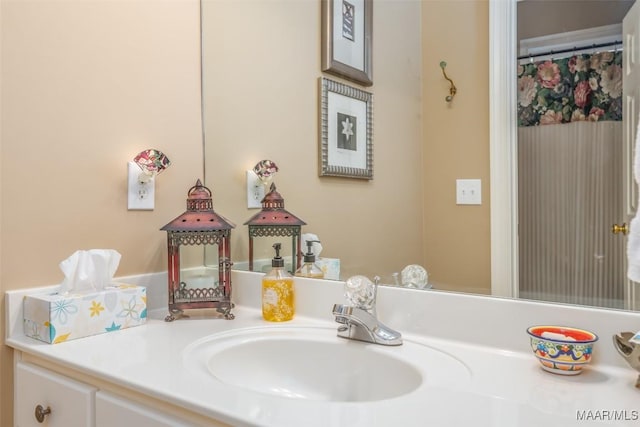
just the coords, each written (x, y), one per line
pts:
(262, 63)
(261, 71)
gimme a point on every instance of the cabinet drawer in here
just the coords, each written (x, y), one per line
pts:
(71, 402)
(112, 410)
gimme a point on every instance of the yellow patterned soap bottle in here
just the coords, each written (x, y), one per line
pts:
(278, 293)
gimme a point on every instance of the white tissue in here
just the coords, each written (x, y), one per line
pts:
(316, 248)
(91, 270)
(556, 336)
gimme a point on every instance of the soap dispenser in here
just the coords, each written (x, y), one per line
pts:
(278, 302)
(309, 268)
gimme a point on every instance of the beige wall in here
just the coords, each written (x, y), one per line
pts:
(262, 65)
(456, 138)
(86, 85)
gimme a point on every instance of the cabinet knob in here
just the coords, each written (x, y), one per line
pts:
(40, 413)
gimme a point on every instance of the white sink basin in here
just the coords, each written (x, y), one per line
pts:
(314, 364)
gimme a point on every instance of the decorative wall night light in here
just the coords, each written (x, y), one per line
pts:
(142, 172)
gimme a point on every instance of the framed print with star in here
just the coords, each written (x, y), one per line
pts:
(346, 146)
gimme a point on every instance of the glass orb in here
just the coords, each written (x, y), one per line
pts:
(415, 276)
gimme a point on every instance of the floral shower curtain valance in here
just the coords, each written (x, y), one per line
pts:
(580, 88)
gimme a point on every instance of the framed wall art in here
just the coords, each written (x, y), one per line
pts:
(347, 39)
(346, 147)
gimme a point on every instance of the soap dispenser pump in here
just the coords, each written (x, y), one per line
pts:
(309, 268)
(278, 293)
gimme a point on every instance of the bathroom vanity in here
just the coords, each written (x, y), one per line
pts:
(465, 360)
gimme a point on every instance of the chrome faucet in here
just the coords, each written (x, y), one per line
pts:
(359, 321)
(360, 325)
(629, 350)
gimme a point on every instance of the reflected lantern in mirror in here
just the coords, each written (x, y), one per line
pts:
(275, 221)
(192, 283)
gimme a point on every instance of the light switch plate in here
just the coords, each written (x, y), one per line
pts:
(468, 192)
(141, 195)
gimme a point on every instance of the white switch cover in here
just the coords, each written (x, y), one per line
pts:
(468, 192)
(255, 190)
(141, 195)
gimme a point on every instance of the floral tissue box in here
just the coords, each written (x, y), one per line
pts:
(330, 267)
(55, 318)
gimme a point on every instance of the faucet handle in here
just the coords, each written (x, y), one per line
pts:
(361, 292)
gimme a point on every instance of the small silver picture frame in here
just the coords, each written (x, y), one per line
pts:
(347, 28)
(346, 128)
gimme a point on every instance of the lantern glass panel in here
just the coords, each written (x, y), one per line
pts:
(210, 257)
(194, 274)
(263, 253)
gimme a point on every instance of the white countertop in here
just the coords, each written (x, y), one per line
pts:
(507, 385)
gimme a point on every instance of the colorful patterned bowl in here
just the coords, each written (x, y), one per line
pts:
(560, 349)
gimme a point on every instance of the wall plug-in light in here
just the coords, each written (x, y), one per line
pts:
(266, 169)
(258, 179)
(145, 166)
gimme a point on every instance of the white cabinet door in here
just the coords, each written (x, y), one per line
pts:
(71, 403)
(115, 411)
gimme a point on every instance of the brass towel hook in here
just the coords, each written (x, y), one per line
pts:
(452, 90)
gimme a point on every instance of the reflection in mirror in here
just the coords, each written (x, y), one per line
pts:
(261, 66)
(570, 153)
(261, 76)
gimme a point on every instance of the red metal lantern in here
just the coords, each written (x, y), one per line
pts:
(199, 225)
(275, 221)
